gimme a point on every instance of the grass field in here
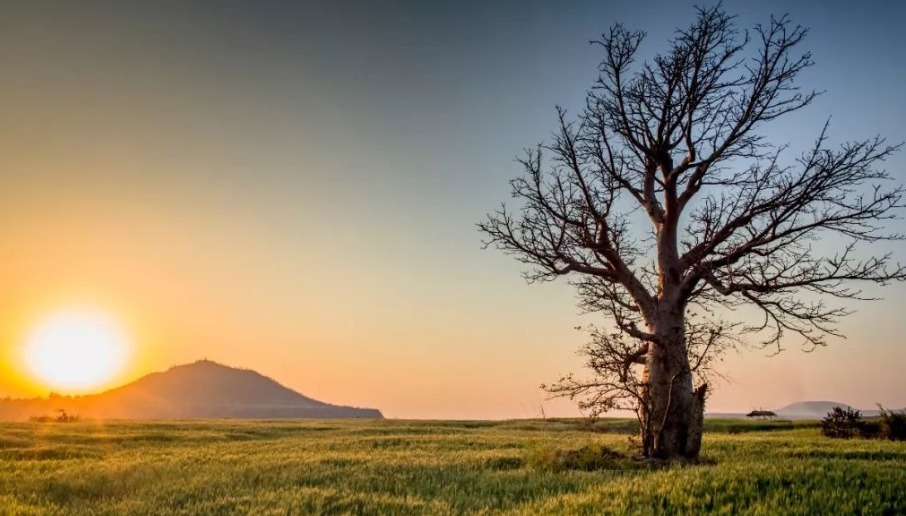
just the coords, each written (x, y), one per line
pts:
(379, 467)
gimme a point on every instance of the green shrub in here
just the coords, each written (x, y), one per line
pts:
(842, 423)
(870, 430)
(892, 425)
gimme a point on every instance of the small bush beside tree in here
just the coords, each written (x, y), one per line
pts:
(893, 424)
(848, 423)
(843, 423)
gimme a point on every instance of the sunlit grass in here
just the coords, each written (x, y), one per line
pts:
(380, 467)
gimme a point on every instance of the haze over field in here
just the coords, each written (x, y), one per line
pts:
(293, 189)
(205, 389)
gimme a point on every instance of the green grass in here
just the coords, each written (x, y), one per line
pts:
(380, 467)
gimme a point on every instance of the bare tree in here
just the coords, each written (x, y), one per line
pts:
(618, 380)
(664, 197)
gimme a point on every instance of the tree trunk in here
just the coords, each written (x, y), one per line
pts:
(672, 415)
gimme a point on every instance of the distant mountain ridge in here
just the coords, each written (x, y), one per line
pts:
(804, 410)
(203, 389)
(817, 409)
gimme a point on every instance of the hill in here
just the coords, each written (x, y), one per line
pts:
(816, 409)
(203, 389)
(801, 410)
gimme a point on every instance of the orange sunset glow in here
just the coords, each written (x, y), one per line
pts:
(465, 257)
(76, 350)
(274, 193)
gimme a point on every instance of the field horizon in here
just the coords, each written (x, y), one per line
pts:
(207, 389)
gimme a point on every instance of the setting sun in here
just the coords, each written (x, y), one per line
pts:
(76, 350)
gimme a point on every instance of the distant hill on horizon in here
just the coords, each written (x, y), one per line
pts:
(203, 389)
(817, 409)
(805, 410)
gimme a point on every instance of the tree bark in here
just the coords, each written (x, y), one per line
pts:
(674, 410)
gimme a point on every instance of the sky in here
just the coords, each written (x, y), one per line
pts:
(293, 187)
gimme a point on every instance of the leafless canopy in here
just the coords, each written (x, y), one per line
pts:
(678, 144)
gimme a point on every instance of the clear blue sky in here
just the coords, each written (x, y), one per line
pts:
(293, 187)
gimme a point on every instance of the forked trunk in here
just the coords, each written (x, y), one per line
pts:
(672, 415)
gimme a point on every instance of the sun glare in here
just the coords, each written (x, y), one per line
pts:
(76, 350)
